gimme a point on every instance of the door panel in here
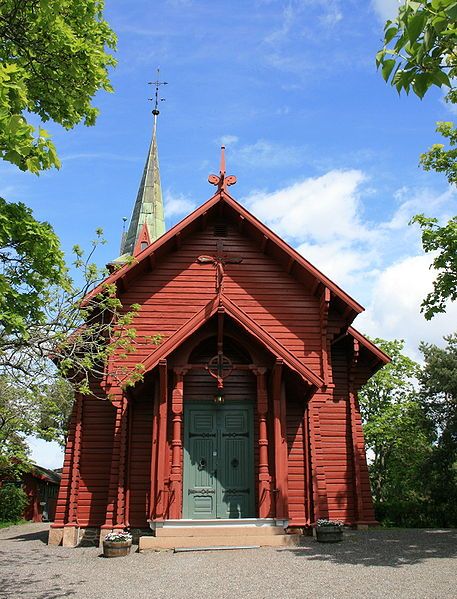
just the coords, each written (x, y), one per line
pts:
(199, 499)
(235, 491)
(218, 465)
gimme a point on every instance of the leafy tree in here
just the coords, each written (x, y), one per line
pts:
(13, 501)
(18, 414)
(52, 63)
(54, 58)
(397, 435)
(438, 395)
(438, 387)
(31, 262)
(81, 336)
(442, 241)
(420, 46)
(420, 51)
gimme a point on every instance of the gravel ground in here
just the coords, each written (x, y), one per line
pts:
(413, 564)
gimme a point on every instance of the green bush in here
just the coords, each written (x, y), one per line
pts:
(13, 501)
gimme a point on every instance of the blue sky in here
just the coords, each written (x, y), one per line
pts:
(324, 151)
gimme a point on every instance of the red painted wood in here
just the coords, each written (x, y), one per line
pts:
(129, 462)
(154, 455)
(177, 406)
(74, 486)
(162, 441)
(280, 445)
(120, 500)
(116, 460)
(265, 503)
(61, 514)
(289, 312)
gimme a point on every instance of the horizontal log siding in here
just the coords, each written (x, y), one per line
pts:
(335, 444)
(63, 497)
(96, 448)
(139, 460)
(336, 456)
(178, 287)
(296, 463)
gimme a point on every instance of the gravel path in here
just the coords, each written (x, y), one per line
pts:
(399, 564)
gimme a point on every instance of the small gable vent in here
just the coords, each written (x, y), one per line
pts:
(220, 229)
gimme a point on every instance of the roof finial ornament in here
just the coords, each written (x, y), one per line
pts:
(221, 180)
(157, 83)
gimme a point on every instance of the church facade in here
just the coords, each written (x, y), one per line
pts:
(247, 410)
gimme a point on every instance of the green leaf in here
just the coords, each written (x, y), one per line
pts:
(414, 26)
(387, 67)
(441, 78)
(451, 11)
(390, 34)
(421, 84)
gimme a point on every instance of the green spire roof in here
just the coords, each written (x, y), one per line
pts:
(148, 209)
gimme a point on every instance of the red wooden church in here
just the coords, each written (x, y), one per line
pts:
(248, 410)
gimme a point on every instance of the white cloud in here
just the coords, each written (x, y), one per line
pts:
(386, 9)
(178, 205)
(325, 208)
(381, 265)
(394, 311)
(227, 140)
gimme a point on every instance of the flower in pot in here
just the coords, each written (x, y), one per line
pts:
(329, 531)
(117, 544)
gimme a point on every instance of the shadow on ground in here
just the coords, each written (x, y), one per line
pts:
(39, 535)
(391, 548)
(55, 585)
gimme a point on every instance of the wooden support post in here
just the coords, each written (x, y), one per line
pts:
(120, 502)
(63, 500)
(308, 471)
(154, 453)
(355, 447)
(280, 441)
(177, 404)
(74, 488)
(115, 492)
(162, 439)
(264, 470)
(128, 461)
(324, 309)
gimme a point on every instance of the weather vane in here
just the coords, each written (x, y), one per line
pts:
(157, 98)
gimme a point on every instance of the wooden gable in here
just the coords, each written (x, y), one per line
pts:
(271, 290)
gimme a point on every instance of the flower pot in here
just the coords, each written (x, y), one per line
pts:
(116, 548)
(329, 534)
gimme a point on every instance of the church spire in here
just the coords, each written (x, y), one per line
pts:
(147, 220)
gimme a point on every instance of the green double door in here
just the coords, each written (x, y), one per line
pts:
(218, 461)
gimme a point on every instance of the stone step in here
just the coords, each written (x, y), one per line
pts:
(150, 543)
(214, 531)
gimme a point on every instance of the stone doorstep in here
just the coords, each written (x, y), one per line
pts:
(207, 531)
(150, 543)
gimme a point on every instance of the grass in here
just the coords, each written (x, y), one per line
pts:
(5, 524)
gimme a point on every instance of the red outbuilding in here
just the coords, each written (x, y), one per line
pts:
(248, 409)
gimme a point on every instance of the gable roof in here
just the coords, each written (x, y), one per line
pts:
(246, 322)
(380, 357)
(296, 264)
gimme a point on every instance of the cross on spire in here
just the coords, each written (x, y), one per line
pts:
(221, 180)
(157, 83)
